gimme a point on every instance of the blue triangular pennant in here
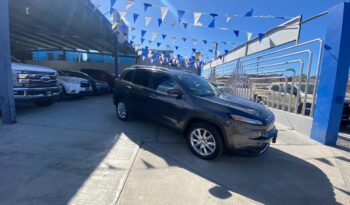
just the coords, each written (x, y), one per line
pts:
(158, 44)
(213, 15)
(160, 21)
(185, 25)
(112, 2)
(210, 50)
(261, 36)
(131, 42)
(194, 50)
(135, 16)
(184, 39)
(177, 47)
(180, 15)
(205, 41)
(164, 36)
(146, 6)
(143, 32)
(212, 23)
(226, 51)
(142, 40)
(249, 13)
(236, 32)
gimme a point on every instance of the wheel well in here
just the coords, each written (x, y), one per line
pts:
(198, 120)
(117, 97)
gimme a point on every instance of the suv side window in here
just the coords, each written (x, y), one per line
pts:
(162, 83)
(142, 77)
(128, 75)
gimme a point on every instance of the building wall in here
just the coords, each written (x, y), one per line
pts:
(76, 66)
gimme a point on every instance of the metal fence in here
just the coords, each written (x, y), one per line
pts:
(283, 78)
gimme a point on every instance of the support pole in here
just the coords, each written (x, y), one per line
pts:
(8, 109)
(116, 56)
(333, 77)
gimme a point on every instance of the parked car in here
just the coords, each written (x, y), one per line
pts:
(34, 84)
(98, 87)
(100, 75)
(278, 93)
(73, 86)
(212, 121)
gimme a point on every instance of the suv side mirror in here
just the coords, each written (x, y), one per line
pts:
(175, 92)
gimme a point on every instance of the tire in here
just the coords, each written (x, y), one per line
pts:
(44, 103)
(211, 147)
(122, 110)
(63, 95)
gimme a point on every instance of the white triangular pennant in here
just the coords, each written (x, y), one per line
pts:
(164, 12)
(148, 19)
(194, 41)
(196, 16)
(249, 35)
(173, 39)
(154, 35)
(228, 18)
(129, 3)
(122, 15)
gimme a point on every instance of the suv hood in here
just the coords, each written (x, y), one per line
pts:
(241, 104)
(28, 67)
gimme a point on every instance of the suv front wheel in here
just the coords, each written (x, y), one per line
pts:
(205, 141)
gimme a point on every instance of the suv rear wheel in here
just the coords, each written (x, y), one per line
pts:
(205, 141)
(122, 110)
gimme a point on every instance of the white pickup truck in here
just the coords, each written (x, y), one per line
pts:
(34, 84)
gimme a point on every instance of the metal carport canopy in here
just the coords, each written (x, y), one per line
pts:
(61, 25)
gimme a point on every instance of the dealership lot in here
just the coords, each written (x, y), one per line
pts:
(78, 152)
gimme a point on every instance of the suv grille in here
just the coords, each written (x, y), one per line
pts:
(37, 79)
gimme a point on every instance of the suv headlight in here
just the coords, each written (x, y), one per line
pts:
(246, 120)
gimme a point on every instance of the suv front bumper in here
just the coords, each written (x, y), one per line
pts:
(36, 94)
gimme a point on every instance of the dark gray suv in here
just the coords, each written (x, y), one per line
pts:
(211, 121)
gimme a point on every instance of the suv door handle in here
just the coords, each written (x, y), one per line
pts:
(153, 95)
(128, 86)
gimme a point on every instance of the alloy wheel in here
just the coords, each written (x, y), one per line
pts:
(202, 142)
(122, 110)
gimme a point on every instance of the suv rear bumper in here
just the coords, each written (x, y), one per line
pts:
(36, 94)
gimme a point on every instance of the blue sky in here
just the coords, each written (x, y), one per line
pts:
(287, 8)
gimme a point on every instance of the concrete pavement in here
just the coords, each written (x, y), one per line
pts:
(78, 152)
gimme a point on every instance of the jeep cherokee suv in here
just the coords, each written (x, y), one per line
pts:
(211, 120)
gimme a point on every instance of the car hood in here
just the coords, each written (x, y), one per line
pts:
(241, 104)
(28, 67)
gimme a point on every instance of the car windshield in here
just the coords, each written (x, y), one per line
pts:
(197, 85)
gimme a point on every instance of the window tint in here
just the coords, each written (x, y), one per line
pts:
(162, 82)
(128, 75)
(142, 77)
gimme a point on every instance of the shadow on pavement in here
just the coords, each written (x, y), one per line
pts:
(274, 178)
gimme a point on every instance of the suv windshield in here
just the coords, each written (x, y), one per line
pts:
(197, 85)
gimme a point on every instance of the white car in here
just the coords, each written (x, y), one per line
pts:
(73, 86)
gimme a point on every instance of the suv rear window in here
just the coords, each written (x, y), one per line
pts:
(142, 77)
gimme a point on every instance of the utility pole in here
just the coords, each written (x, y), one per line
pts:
(116, 54)
(8, 109)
